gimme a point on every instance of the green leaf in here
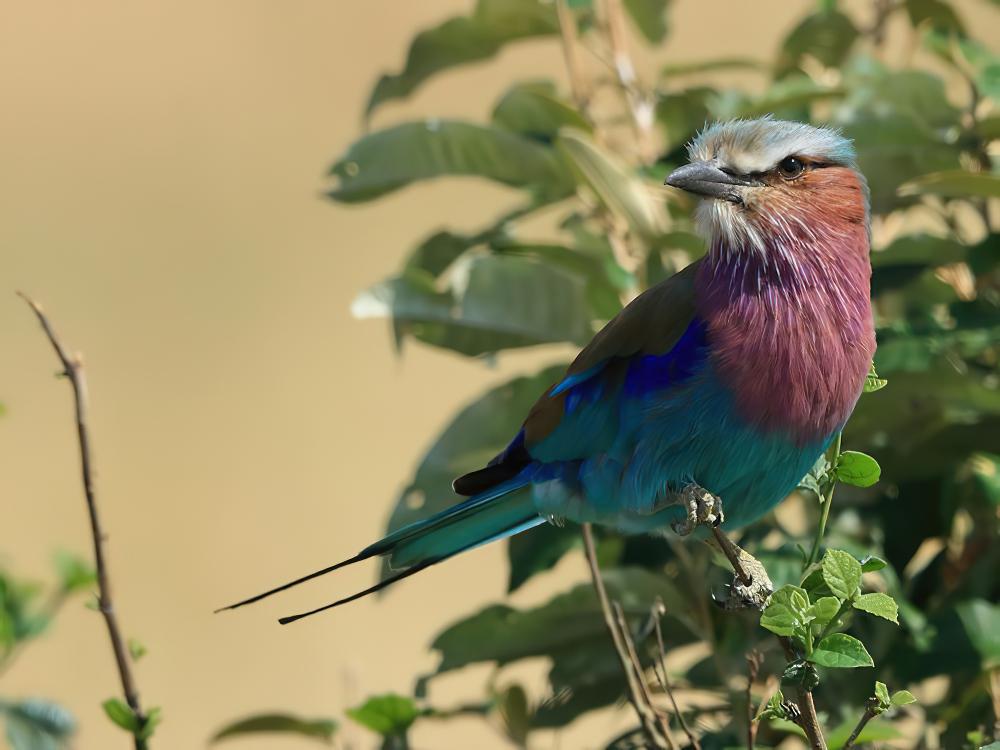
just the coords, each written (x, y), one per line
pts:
(938, 15)
(153, 719)
(621, 191)
(675, 70)
(841, 573)
(515, 713)
(387, 160)
(841, 651)
(461, 40)
(121, 715)
(530, 554)
(650, 17)
(493, 302)
(955, 183)
(874, 731)
(858, 469)
(388, 714)
(919, 250)
(322, 729)
(37, 725)
(75, 573)
(786, 611)
(879, 604)
(823, 610)
(882, 694)
(800, 674)
(902, 698)
(825, 36)
(873, 382)
(535, 110)
(569, 625)
(871, 564)
(136, 649)
(981, 621)
(437, 252)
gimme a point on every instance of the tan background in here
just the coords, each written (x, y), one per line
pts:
(159, 182)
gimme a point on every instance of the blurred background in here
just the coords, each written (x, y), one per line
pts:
(162, 186)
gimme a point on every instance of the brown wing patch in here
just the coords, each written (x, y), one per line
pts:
(651, 323)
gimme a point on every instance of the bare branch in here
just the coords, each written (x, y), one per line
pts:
(73, 370)
(754, 660)
(654, 727)
(658, 611)
(869, 714)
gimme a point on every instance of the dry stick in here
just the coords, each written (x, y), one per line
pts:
(640, 106)
(658, 611)
(73, 369)
(640, 677)
(869, 714)
(648, 717)
(754, 660)
(571, 53)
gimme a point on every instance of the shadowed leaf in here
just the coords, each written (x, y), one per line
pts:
(321, 729)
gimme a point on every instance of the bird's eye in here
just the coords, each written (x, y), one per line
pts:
(790, 167)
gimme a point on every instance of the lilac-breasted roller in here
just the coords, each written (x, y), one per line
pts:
(733, 375)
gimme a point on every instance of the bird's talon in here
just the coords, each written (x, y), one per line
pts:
(703, 509)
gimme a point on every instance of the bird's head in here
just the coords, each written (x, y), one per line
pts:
(770, 184)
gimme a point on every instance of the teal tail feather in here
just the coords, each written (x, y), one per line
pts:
(495, 514)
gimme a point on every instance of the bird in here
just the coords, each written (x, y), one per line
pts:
(732, 376)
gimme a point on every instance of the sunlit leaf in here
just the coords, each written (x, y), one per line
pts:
(386, 160)
(859, 469)
(624, 193)
(841, 573)
(879, 604)
(492, 302)
(981, 621)
(841, 651)
(674, 70)
(955, 183)
(387, 715)
(461, 40)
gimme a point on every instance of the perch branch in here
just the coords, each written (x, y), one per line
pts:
(571, 53)
(73, 370)
(656, 730)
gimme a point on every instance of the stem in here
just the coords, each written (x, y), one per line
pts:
(571, 53)
(867, 716)
(658, 611)
(754, 660)
(809, 721)
(832, 454)
(73, 369)
(656, 730)
(640, 106)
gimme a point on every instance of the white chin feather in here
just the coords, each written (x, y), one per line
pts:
(719, 220)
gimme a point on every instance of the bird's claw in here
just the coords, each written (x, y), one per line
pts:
(703, 509)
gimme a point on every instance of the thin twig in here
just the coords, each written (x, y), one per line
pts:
(73, 370)
(869, 714)
(571, 52)
(658, 611)
(754, 660)
(832, 455)
(640, 106)
(648, 717)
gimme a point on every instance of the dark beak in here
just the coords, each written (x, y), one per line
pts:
(705, 178)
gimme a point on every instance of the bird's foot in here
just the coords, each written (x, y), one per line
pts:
(703, 509)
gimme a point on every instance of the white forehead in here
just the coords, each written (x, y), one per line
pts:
(758, 145)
